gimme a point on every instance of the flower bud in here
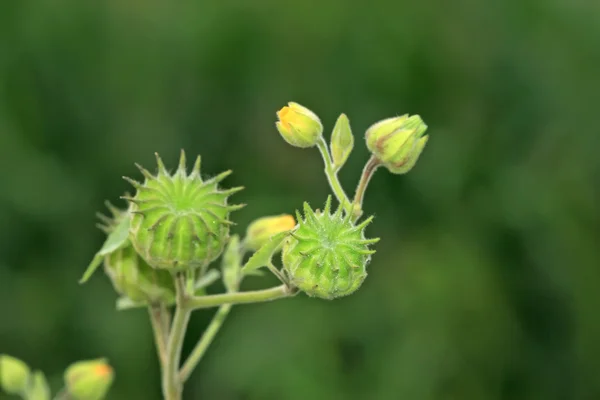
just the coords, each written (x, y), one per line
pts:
(299, 126)
(14, 375)
(130, 275)
(342, 141)
(327, 255)
(263, 228)
(397, 142)
(88, 380)
(180, 221)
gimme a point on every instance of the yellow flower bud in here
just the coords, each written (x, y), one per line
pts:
(298, 125)
(89, 380)
(262, 229)
(14, 375)
(397, 142)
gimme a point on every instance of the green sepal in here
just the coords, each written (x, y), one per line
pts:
(125, 303)
(207, 279)
(116, 239)
(232, 264)
(263, 256)
(38, 387)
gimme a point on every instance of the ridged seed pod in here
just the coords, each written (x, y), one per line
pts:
(130, 275)
(327, 255)
(180, 221)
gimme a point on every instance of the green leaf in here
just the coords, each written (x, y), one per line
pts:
(342, 141)
(38, 387)
(263, 256)
(114, 241)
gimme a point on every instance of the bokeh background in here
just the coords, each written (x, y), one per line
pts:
(485, 284)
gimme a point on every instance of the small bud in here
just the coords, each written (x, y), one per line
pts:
(327, 255)
(397, 142)
(180, 221)
(89, 380)
(231, 264)
(14, 375)
(263, 228)
(342, 141)
(131, 276)
(298, 125)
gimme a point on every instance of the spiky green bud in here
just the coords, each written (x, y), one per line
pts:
(327, 255)
(180, 221)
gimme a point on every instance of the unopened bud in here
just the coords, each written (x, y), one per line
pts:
(263, 228)
(231, 264)
(342, 141)
(14, 375)
(298, 125)
(89, 380)
(397, 142)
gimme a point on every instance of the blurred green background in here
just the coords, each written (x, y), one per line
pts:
(485, 284)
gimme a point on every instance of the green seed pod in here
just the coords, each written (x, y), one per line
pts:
(130, 275)
(180, 221)
(14, 375)
(327, 255)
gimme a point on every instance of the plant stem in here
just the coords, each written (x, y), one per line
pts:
(172, 386)
(254, 296)
(332, 177)
(160, 335)
(368, 172)
(205, 341)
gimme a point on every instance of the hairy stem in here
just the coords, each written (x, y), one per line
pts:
(172, 386)
(160, 334)
(204, 342)
(254, 296)
(368, 172)
(332, 177)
